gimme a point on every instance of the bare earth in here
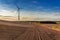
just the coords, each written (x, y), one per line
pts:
(27, 31)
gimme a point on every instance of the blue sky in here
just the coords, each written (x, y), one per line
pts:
(32, 9)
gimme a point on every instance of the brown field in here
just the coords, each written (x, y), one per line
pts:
(28, 31)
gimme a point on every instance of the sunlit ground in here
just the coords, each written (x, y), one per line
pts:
(50, 26)
(56, 28)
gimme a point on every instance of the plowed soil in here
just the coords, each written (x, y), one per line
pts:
(23, 31)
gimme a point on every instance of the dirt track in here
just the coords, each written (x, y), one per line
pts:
(31, 32)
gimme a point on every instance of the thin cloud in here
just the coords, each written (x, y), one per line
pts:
(34, 2)
(30, 15)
